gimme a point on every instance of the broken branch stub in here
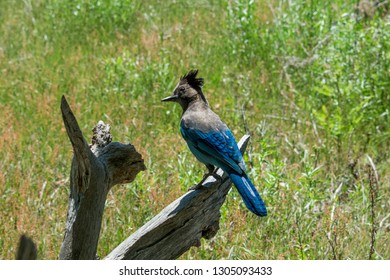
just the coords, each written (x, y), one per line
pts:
(27, 250)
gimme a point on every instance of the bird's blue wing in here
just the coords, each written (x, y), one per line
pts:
(220, 145)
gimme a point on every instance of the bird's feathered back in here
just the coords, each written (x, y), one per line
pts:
(196, 83)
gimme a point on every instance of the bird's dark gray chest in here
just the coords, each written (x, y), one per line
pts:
(203, 119)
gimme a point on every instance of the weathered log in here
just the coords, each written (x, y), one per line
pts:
(181, 224)
(95, 169)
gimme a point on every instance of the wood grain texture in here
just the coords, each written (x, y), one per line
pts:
(95, 169)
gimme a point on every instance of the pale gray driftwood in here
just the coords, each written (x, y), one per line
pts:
(95, 169)
(181, 224)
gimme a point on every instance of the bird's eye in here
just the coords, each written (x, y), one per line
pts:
(182, 90)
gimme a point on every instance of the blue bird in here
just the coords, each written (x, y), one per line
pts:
(211, 141)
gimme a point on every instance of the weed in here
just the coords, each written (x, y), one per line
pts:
(308, 80)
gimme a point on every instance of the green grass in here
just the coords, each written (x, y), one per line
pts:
(311, 79)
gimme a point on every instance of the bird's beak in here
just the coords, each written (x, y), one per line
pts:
(170, 98)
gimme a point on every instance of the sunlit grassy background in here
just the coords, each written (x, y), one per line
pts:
(308, 80)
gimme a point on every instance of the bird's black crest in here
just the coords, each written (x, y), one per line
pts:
(192, 80)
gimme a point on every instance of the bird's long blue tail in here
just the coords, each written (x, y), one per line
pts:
(249, 194)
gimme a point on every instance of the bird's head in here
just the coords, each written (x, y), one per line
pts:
(188, 89)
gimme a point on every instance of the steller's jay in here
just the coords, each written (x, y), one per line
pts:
(211, 141)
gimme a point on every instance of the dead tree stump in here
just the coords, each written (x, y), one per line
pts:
(95, 170)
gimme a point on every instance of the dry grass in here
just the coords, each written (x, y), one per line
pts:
(300, 155)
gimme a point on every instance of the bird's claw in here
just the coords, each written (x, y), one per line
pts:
(196, 187)
(205, 176)
(216, 176)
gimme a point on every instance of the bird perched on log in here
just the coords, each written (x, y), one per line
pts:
(211, 141)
